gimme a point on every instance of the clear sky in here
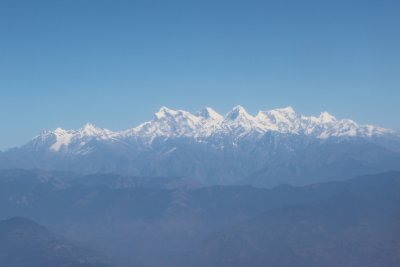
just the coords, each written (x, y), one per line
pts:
(114, 63)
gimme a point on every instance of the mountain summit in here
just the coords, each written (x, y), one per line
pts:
(207, 122)
(271, 147)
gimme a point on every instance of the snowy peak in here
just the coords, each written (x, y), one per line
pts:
(209, 114)
(164, 112)
(90, 130)
(240, 123)
(281, 114)
(325, 117)
(236, 113)
(288, 110)
(166, 123)
(284, 120)
(207, 124)
(62, 138)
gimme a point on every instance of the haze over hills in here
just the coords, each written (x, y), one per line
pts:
(273, 147)
(346, 223)
(313, 185)
(25, 243)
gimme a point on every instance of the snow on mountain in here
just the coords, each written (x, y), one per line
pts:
(325, 117)
(167, 123)
(206, 123)
(240, 123)
(283, 120)
(64, 138)
(209, 114)
(270, 148)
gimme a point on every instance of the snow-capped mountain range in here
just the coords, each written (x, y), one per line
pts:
(271, 147)
(206, 123)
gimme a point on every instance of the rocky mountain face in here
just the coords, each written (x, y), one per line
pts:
(274, 147)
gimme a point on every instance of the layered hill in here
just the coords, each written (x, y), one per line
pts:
(24, 243)
(346, 223)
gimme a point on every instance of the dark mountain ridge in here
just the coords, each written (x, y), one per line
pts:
(24, 243)
(141, 225)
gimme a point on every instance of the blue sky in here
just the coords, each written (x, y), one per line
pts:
(114, 63)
